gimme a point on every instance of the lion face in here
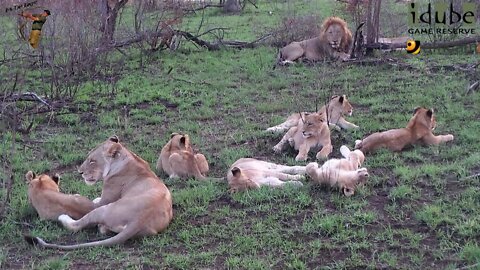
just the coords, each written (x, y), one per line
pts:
(341, 104)
(334, 35)
(97, 164)
(313, 124)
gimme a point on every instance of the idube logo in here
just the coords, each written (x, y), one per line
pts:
(413, 46)
(443, 16)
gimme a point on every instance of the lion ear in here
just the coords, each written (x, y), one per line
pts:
(173, 135)
(56, 178)
(341, 99)
(30, 176)
(430, 113)
(183, 140)
(114, 150)
(236, 171)
(114, 138)
(416, 109)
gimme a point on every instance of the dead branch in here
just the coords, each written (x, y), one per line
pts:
(428, 45)
(28, 96)
(473, 87)
(203, 7)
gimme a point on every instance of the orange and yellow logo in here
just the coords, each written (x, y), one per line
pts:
(413, 46)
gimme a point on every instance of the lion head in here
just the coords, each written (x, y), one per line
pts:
(240, 181)
(423, 118)
(348, 188)
(335, 31)
(99, 161)
(42, 181)
(179, 141)
(339, 106)
(313, 124)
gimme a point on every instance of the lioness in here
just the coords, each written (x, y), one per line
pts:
(343, 173)
(334, 41)
(178, 160)
(50, 203)
(310, 132)
(134, 201)
(419, 129)
(249, 173)
(338, 107)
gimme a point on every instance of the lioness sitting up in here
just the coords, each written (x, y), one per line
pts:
(342, 173)
(309, 133)
(134, 201)
(50, 203)
(334, 42)
(178, 160)
(338, 107)
(249, 173)
(419, 129)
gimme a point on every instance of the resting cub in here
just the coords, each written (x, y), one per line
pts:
(310, 132)
(419, 129)
(338, 108)
(343, 173)
(45, 196)
(249, 173)
(178, 160)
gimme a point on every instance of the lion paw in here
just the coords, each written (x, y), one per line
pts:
(449, 137)
(277, 148)
(97, 200)
(357, 143)
(295, 183)
(300, 158)
(321, 156)
(363, 173)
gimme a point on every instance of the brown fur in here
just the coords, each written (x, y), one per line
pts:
(177, 159)
(134, 201)
(314, 132)
(249, 173)
(338, 107)
(45, 196)
(342, 173)
(418, 129)
(334, 41)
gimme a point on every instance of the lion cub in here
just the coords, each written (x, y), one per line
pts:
(50, 203)
(338, 108)
(178, 160)
(309, 133)
(249, 173)
(343, 173)
(419, 129)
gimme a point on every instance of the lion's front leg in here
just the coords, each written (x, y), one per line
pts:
(432, 139)
(279, 146)
(345, 124)
(303, 152)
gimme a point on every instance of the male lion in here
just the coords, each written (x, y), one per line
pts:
(178, 160)
(249, 173)
(309, 133)
(50, 203)
(343, 173)
(338, 107)
(334, 41)
(134, 201)
(419, 129)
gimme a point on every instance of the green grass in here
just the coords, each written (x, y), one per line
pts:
(418, 210)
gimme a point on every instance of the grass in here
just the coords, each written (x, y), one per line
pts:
(418, 209)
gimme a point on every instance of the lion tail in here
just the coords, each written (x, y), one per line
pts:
(279, 58)
(130, 231)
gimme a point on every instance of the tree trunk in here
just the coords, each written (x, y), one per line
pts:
(373, 22)
(232, 6)
(109, 11)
